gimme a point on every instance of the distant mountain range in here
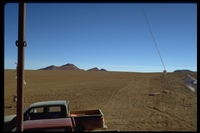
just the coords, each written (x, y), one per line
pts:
(69, 67)
(96, 69)
(183, 70)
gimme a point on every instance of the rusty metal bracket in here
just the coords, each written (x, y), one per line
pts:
(16, 43)
(24, 43)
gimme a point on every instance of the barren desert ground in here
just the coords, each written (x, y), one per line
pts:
(130, 101)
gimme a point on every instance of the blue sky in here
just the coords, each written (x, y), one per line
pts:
(113, 36)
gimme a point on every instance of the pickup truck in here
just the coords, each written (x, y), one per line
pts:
(55, 125)
(84, 119)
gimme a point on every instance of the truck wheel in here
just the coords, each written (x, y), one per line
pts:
(80, 128)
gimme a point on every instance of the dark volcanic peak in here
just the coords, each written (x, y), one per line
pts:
(68, 64)
(63, 67)
(96, 69)
(183, 70)
(52, 67)
(69, 67)
(102, 69)
(93, 69)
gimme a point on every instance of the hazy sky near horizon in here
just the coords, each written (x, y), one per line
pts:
(113, 36)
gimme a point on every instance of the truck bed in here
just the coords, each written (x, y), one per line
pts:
(90, 119)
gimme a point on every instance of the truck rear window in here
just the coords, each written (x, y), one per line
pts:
(55, 109)
(55, 112)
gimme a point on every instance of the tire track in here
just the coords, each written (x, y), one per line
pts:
(131, 98)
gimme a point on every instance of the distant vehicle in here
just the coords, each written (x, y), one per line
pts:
(84, 119)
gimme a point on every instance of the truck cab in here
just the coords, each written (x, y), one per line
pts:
(47, 110)
(40, 110)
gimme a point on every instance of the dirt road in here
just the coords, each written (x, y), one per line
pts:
(140, 106)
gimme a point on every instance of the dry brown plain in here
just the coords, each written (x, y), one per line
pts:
(124, 97)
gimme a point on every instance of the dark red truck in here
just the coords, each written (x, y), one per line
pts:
(55, 125)
(84, 119)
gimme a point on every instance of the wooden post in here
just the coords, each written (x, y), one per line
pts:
(20, 69)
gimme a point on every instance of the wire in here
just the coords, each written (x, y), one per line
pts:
(153, 37)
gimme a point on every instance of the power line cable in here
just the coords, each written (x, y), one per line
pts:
(153, 38)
